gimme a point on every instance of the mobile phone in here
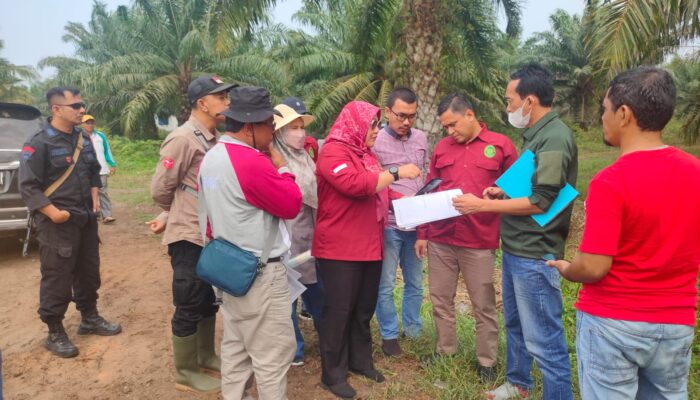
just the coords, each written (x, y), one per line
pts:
(548, 257)
(429, 187)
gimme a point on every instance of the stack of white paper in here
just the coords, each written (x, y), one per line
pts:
(296, 288)
(413, 211)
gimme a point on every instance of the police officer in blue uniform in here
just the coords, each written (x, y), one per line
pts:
(66, 219)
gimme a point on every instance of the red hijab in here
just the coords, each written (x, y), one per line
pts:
(350, 129)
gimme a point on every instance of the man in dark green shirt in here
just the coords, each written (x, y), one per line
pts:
(532, 303)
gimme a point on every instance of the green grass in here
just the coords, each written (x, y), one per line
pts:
(452, 378)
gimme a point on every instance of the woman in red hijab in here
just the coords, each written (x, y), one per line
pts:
(353, 203)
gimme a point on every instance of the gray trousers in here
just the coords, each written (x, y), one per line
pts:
(105, 202)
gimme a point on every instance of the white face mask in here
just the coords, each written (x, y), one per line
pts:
(517, 119)
(295, 138)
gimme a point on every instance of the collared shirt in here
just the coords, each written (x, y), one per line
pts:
(556, 164)
(240, 191)
(393, 150)
(102, 151)
(45, 157)
(471, 167)
(347, 227)
(180, 156)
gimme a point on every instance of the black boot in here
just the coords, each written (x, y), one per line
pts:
(58, 343)
(92, 323)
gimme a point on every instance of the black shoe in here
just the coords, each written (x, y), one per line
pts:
(372, 374)
(93, 324)
(58, 343)
(487, 374)
(342, 390)
(391, 347)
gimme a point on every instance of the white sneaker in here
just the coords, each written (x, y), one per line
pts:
(298, 362)
(506, 391)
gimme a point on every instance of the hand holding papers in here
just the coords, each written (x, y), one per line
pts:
(516, 182)
(416, 210)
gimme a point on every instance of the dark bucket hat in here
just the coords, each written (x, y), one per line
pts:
(250, 104)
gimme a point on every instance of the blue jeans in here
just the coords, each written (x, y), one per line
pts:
(313, 297)
(532, 308)
(627, 360)
(399, 250)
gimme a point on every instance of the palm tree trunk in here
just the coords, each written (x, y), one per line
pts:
(184, 80)
(423, 38)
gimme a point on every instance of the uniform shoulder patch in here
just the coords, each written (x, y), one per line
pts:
(339, 168)
(27, 152)
(168, 163)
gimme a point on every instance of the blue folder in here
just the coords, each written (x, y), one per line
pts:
(516, 182)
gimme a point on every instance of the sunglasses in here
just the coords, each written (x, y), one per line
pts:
(75, 106)
(374, 123)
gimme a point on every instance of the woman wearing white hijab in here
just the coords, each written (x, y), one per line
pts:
(289, 140)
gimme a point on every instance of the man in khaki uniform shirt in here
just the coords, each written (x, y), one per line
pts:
(174, 189)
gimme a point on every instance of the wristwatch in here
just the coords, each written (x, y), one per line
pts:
(395, 172)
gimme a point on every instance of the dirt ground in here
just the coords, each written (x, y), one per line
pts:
(136, 364)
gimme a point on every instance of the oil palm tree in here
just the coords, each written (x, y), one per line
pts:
(563, 50)
(364, 48)
(439, 29)
(353, 56)
(686, 71)
(12, 77)
(138, 61)
(628, 33)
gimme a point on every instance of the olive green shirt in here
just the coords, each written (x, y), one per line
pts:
(556, 164)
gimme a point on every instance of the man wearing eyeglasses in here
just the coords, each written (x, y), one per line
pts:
(59, 179)
(397, 144)
(174, 189)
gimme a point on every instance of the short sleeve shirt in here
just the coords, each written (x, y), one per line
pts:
(644, 212)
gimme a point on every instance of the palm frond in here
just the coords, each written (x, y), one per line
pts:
(629, 33)
(144, 102)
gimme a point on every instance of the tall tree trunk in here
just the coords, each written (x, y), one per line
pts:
(149, 131)
(423, 38)
(185, 76)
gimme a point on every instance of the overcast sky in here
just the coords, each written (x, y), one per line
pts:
(32, 29)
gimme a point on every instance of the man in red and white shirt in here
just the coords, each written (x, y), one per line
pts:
(640, 251)
(244, 189)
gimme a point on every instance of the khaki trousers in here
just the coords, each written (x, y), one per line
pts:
(445, 262)
(258, 337)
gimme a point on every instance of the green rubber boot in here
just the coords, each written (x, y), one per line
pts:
(188, 377)
(206, 355)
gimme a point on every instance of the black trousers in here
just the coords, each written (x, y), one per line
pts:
(193, 298)
(351, 289)
(70, 265)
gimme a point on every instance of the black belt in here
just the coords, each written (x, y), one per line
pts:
(274, 259)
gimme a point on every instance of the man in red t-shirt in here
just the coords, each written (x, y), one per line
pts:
(640, 252)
